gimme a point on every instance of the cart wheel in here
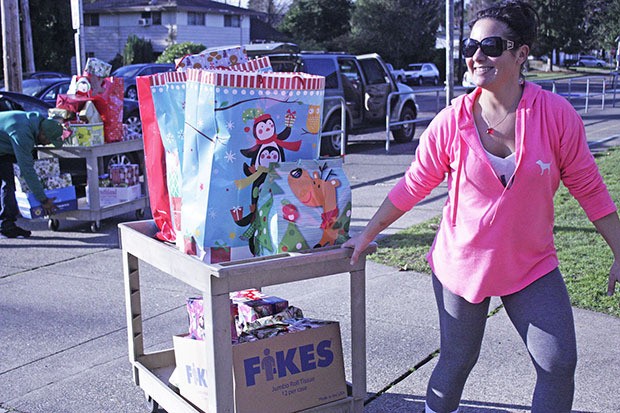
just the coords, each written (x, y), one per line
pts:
(151, 404)
(140, 213)
(95, 226)
(53, 224)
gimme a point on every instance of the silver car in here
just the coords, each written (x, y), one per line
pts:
(418, 73)
(590, 61)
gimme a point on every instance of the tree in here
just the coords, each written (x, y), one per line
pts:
(52, 35)
(561, 27)
(402, 31)
(179, 50)
(273, 9)
(137, 50)
(601, 25)
(317, 22)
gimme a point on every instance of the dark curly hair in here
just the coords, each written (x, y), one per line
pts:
(521, 19)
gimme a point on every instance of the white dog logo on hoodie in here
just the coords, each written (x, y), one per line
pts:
(544, 166)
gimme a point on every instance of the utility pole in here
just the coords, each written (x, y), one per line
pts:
(449, 51)
(77, 22)
(27, 35)
(11, 50)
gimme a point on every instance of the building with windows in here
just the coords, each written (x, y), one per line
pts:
(108, 24)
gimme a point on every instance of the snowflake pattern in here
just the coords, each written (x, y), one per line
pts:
(212, 214)
(230, 125)
(230, 156)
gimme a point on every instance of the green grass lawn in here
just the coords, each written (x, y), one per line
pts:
(584, 256)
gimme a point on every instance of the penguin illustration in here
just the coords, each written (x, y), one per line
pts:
(269, 147)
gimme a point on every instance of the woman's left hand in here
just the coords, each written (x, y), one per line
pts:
(614, 278)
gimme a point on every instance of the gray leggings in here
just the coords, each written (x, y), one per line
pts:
(543, 317)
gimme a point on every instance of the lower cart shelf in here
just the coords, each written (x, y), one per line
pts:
(151, 371)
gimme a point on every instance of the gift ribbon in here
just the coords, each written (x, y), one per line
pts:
(242, 183)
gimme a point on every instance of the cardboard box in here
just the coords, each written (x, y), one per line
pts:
(117, 194)
(86, 134)
(282, 374)
(30, 207)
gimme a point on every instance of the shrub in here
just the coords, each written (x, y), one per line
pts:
(179, 50)
(137, 50)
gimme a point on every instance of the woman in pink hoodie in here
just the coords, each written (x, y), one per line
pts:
(504, 149)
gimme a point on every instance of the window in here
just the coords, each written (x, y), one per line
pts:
(232, 21)
(155, 17)
(91, 19)
(322, 67)
(375, 75)
(53, 93)
(195, 19)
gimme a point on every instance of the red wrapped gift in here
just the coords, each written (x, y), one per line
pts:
(220, 253)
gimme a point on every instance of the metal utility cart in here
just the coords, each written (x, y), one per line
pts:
(151, 371)
(93, 210)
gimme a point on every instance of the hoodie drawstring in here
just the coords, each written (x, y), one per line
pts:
(457, 184)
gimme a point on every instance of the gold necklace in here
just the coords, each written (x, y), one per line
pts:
(491, 129)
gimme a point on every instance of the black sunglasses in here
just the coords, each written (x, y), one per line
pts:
(491, 46)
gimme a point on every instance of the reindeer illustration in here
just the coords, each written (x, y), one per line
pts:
(315, 191)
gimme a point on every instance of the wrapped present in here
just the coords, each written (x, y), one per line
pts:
(124, 174)
(42, 167)
(195, 313)
(97, 67)
(48, 172)
(213, 58)
(83, 134)
(62, 114)
(58, 181)
(260, 64)
(90, 114)
(251, 310)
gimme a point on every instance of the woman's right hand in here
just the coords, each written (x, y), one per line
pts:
(358, 244)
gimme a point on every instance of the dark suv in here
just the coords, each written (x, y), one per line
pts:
(364, 82)
(130, 72)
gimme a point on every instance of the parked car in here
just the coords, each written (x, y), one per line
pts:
(48, 89)
(42, 74)
(364, 82)
(130, 72)
(20, 101)
(399, 74)
(418, 73)
(590, 61)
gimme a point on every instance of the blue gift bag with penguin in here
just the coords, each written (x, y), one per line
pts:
(237, 124)
(168, 92)
(303, 205)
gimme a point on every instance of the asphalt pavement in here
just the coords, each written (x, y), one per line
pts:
(63, 327)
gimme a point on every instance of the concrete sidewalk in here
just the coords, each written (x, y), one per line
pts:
(63, 326)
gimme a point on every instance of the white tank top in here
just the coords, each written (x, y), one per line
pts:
(503, 167)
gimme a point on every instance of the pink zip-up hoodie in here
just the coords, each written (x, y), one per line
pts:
(495, 240)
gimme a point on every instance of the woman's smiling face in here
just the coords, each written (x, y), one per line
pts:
(494, 72)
